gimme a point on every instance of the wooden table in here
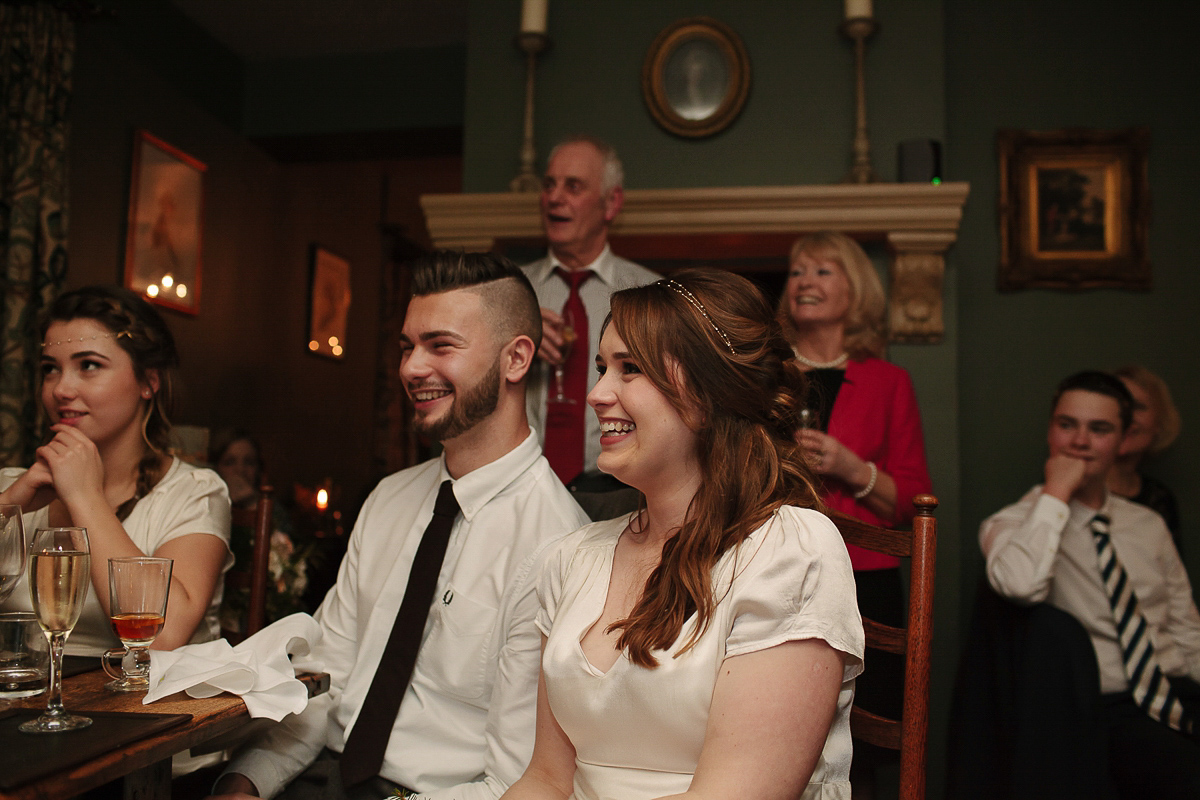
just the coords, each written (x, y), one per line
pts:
(145, 765)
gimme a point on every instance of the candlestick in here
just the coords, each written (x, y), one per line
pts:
(859, 29)
(533, 15)
(859, 9)
(531, 44)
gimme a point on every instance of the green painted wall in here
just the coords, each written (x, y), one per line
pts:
(1045, 65)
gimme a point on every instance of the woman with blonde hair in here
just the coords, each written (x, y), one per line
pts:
(108, 371)
(1156, 425)
(863, 433)
(707, 644)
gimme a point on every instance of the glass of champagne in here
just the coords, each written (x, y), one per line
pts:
(568, 339)
(12, 549)
(59, 577)
(137, 606)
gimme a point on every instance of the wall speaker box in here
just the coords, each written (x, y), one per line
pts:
(920, 161)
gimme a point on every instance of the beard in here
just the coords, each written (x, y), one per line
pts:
(469, 407)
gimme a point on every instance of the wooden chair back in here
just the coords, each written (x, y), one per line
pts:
(259, 519)
(914, 642)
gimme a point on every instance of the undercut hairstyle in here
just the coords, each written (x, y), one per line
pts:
(723, 363)
(143, 334)
(508, 297)
(866, 327)
(1098, 382)
(614, 172)
(1170, 425)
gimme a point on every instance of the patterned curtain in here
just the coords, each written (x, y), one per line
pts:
(37, 47)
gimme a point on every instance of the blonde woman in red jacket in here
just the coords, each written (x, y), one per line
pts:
(863, 436)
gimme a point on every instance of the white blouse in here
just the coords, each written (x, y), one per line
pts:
(638, 732)
(186, 500)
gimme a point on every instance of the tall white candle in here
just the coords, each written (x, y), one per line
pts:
(533, 15)
(858, 8)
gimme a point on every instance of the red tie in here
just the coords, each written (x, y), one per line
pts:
(565, 421)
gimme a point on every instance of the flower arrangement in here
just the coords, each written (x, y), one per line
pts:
(287, 567)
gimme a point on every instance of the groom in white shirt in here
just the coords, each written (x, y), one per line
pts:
(465, 724)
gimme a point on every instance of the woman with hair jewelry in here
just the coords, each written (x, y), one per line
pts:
(108, 370)
(1156, 425)
(863, 433)
(707, 644)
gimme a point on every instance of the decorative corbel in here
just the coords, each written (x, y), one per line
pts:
(917, 269)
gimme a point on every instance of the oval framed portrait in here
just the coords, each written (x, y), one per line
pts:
(696, 77)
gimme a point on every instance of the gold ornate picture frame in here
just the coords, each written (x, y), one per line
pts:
(696, 77)
(1074, 209)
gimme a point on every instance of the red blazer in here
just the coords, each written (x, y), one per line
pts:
(876, 416)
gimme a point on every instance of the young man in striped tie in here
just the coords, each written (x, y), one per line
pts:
(1110, 564)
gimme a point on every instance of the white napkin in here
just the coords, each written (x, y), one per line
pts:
(258, 669)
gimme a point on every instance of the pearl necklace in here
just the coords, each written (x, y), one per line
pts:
(837, 362)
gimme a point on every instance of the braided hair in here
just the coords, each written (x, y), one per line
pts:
(150, 346)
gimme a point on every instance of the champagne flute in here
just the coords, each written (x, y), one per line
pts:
(568, 341)
(137, 607)
(59, 577)
(12, 549)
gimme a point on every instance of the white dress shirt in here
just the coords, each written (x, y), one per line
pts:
(468, 715)
(613, 273)
(1042, 550)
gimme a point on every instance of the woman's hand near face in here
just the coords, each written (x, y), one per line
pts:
(74, 465)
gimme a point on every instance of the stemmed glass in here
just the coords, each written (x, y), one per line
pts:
(568, 339)
(137, 607)
(12, 549)
(59, 576)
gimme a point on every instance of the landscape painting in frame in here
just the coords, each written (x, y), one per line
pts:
(1074, 209)
(166, 209)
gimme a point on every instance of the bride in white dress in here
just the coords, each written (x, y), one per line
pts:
(705, 646)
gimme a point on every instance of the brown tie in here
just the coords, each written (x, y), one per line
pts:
(363, 754)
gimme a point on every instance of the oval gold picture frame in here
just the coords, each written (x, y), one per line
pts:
(696, 77)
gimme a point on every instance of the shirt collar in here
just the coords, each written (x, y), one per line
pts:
(477, 488)
(604, 266)
(1082, 514)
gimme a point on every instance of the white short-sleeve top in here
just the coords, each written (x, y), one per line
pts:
(638, 732)
(186, 500)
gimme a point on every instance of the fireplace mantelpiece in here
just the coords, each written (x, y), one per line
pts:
(918, 222)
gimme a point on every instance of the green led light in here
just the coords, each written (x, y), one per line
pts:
(936, 181)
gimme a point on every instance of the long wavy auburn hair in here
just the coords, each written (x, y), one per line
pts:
(148, 341)
(744, 407)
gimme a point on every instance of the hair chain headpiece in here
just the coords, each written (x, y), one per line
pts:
(691, 298)
(116, 335)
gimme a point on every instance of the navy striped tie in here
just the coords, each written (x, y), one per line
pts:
(1151, 690)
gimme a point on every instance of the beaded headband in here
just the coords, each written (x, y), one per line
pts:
(691, 298)
(117, 335)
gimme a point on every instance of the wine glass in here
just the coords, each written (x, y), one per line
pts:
(137, 607)
(59, 576)
(568, 340)
(12, 549)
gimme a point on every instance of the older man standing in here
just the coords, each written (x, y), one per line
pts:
(582, 193)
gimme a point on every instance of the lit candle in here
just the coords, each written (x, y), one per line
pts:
(322, 499)
(858, 8)
(533, 15)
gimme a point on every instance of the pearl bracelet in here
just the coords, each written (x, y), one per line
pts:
(870, 487)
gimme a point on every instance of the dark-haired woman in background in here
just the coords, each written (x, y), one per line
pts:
(108, 368)
(706, 645)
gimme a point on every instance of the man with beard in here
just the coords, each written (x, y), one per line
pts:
(465, 720)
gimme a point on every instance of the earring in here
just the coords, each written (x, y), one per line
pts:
(146, 393)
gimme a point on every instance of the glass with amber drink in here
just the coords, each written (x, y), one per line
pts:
(137, 591)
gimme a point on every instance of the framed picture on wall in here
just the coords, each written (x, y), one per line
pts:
(163, 236)
(696, 77)
(329, 303)
(1074, 209)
